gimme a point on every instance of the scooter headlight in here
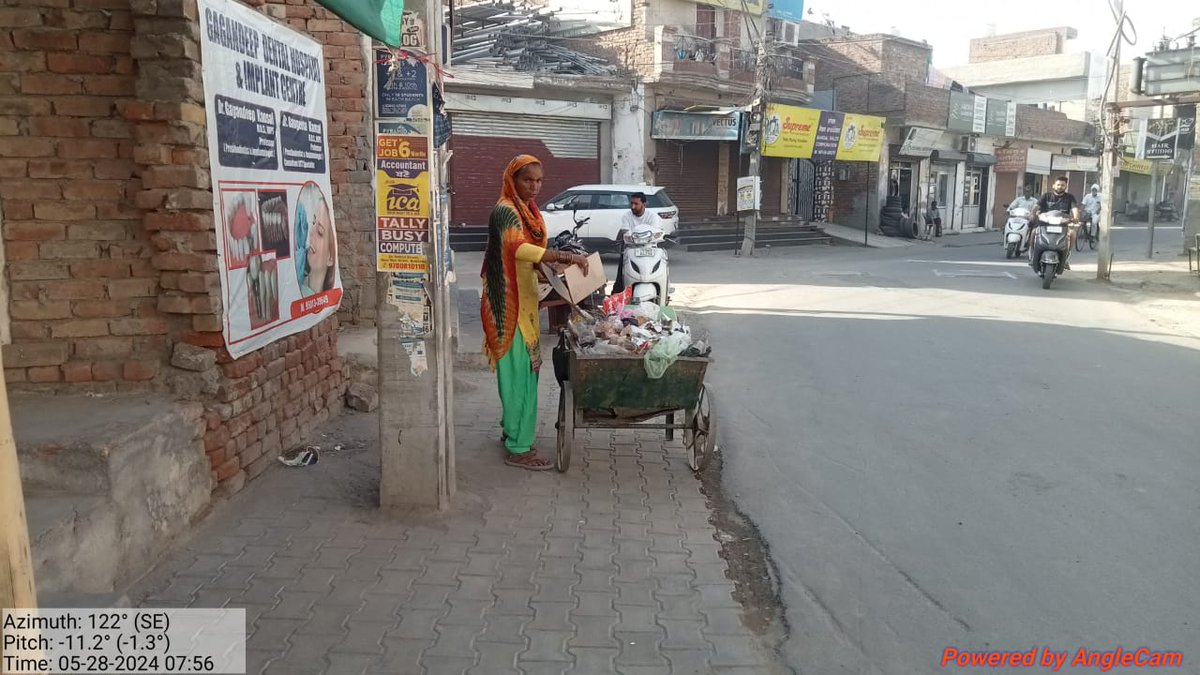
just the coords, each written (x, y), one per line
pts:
(656, 266)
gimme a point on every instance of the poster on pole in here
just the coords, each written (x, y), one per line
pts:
(264, 95)
(1159, 137)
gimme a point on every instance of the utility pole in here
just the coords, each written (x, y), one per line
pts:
(759, 105)
(16, 565)
(1153, 203)
(1110, 117)
(415, 360)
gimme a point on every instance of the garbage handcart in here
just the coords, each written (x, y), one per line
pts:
(606, 391)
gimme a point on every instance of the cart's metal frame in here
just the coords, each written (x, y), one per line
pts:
(614, 392)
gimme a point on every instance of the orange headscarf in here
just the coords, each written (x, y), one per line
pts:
(531, 216)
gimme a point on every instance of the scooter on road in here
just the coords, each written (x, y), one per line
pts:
(1050, 246)
(1016, 230)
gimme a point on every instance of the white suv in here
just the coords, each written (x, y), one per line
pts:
(605, 205)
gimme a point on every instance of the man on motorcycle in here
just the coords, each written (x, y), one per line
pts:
(637, 219)
(1056, 200)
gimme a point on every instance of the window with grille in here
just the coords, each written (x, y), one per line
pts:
(706, 22)
(733, 27)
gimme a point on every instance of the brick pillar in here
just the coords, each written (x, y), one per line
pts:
(172, 151)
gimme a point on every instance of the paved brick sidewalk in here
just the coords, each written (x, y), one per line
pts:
(610, 568)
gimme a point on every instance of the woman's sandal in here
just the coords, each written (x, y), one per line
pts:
(528, 461)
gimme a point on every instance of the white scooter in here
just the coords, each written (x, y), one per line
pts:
(644, 266)
(1015, 232)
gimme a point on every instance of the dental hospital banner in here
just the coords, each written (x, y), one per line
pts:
(821, 135)
(264, 95)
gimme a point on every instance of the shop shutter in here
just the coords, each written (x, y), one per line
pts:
(688, 171)
(484, 144)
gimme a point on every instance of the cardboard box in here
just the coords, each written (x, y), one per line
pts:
(573, 285)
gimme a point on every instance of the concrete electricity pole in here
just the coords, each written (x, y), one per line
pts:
(16, 564)
(415, 369)
(759, 105)
(1110, 117)
(1153, 203)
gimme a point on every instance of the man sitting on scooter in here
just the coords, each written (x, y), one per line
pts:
(1056, 200)
(637, 219)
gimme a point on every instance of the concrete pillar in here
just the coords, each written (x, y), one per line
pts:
(415, 388)
(629, 136)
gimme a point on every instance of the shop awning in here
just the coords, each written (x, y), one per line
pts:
(381, 19)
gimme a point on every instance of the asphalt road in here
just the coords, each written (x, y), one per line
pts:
(941, 454)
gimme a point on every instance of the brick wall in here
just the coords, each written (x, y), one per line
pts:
(110, 242)
(1035, 124)
(850, 196)
(81, 282)
(1044, 42)
(926, 106)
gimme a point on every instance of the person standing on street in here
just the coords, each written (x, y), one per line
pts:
(509, 305)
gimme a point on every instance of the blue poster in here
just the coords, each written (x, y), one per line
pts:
(788, 10)
(403, 87)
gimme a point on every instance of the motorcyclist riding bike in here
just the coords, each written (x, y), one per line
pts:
(636, 219)
(1056, 200)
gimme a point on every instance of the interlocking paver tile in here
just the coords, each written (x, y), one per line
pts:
(640, 649)
(734, 651)
(594, 660)
(325, 620)
(349, 664)
(504, 628)
(273, 633)
(683, 634)
(417, 624)
(593, 631)
(446, 665)
(551, 616)
(724, 621)
(365, 637)
(639, 593)
(465, 612)
(595, 604)
(690, 661)
(256, 660)
(401, 655)
(546, 645)
(393, 582)
(496, 658)
(544, 667)
(294, 604)
(636, 619)
(454, 640)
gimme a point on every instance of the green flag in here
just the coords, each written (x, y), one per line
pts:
(378, 18)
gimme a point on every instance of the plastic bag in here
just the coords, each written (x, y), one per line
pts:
(665, 352)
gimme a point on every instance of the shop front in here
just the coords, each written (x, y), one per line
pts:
(794, 135)
(490, 130)
(694, 155)
(1017, 168)
(909, 164)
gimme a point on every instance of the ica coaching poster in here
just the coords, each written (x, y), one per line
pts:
(264, 92)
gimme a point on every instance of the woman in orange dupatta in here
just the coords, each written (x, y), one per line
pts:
(509, 305)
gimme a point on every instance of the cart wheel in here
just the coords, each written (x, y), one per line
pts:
(701, 437)
(566, 427)
(670, 421)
